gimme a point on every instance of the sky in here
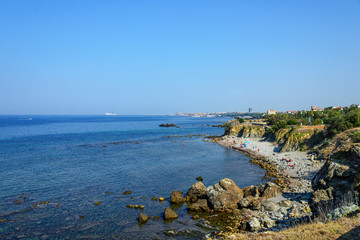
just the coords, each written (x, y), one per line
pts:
(161, 57)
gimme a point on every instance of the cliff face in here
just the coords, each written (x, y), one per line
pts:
(289, 139)
(248, 131)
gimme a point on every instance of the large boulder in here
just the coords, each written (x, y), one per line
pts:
(271, 190)
(224, 195)
(177, 197)
(200, 205)
(342, 178)
(198, 190)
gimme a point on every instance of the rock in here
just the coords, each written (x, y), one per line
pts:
(170, 214)
(224, 195)
(270, 206)
(196, 217)
(251, 191)
(205, 224)
(199, 205)
(255, 205)
(268, 223)
(97, 203)
(198, 190)
(199, 178)
(143, 218)
(186, 233)
(271, 190)
(253, 225)
(340, 212)
(245, 202)
(285, 203)
(127, 192)
(323, 195)
(161, 199)
(154, 199)
(294, 212)
(342, 178)
(177, 197)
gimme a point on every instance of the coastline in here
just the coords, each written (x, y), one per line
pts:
(292, 170)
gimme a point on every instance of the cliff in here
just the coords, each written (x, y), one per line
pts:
(288, 139)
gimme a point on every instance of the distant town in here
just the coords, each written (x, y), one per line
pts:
(250, 114)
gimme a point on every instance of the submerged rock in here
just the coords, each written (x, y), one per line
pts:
(127, 192)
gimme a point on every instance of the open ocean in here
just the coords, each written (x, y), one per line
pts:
(53, 169)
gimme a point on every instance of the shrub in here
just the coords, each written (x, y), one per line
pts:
(355, 137)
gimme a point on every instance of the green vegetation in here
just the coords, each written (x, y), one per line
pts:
(355, 137)
(336, 120)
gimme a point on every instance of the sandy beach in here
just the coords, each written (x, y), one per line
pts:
(295, 165)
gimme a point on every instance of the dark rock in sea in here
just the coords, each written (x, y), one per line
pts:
(170, 214)
(97, 203)
(224, 195)
(154, 199)
(200, 205)
(127, 192)
(177, 197)
(167, 125)
(199, 178)
(143, 218)
(198, 190)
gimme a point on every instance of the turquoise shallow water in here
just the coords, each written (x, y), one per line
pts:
(53, 169)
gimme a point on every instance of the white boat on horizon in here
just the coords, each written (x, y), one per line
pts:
(110, 114)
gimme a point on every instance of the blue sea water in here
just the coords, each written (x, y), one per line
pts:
(53, 169)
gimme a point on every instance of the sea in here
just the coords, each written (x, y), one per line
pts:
(63, 177)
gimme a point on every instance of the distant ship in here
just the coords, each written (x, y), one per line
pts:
(110, 114)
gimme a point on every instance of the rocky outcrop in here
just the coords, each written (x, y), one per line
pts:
(198, 190)
(224, 195)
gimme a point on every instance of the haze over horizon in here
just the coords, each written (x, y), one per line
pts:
(162, 57)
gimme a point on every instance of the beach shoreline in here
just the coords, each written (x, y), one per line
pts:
(292, 170)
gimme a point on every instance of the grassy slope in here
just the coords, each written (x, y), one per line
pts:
(346, 228)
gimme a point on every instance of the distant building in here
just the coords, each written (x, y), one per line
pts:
(315, 108)
(270, 112)
(341, 108)
(250, 110)
(292, 112)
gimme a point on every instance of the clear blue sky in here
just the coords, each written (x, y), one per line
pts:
(156, 57)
